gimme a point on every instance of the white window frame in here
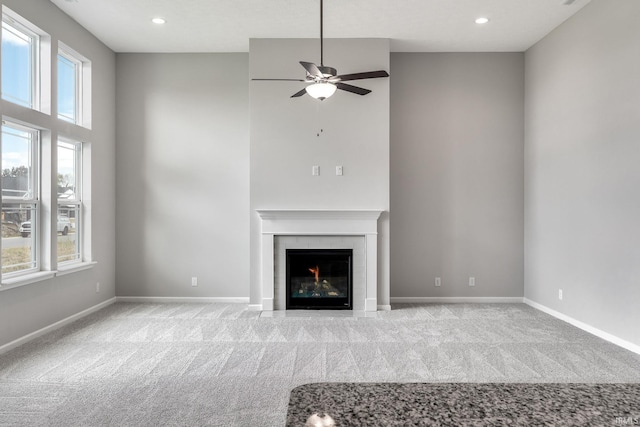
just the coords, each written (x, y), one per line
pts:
(12, 22)
(81, 65)
(34, 199)
(76, 201)
(40, 60)
(77, 67)
(49, 129)
(83, 85)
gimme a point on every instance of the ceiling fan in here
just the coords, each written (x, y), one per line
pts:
(324, 81)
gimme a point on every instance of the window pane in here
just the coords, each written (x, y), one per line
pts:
(17, 169)
(67, 89)
(68, 154)
(68, 241)
(17, 66)
(19, 232)
(69, 203)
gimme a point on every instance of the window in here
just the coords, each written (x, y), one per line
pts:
(19, 63)
(69, 223)
(68, 76)
(45, 224)
(74, 86)
(71, 69)
(20, 198)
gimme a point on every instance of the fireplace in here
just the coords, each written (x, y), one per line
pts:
(319, 279)
(282, 230)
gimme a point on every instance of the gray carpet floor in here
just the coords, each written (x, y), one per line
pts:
(136, 364)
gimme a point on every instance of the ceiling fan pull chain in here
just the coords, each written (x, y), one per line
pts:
(319, 119)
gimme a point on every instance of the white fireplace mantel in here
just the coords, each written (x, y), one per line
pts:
(313, 223)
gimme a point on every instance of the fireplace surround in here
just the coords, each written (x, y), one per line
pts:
(318, 229)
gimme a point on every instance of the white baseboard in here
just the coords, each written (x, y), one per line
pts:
(450, 300)
(239, 300)
(587, 328)
(385, 307)
(25, 339)
(255, 307)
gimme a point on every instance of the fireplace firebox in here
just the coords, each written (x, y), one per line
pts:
(319, 279)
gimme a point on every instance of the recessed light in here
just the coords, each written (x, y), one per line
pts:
(158, 20)
(482, 20)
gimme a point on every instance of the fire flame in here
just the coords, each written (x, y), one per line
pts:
(316, 272)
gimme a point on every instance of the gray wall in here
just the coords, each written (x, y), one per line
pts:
(183, 175)
(582, 168)
(285, 145)
(26, 309)
(457, 134)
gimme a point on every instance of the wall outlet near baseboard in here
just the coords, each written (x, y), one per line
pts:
(97, 287)
(438, 282)
(560, 294)
(472, 281)
(194, 281)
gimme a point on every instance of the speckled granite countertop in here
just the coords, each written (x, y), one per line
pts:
(466, 404)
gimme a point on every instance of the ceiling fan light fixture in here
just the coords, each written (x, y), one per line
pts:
(321, 90)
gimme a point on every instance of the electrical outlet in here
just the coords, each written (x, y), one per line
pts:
(194, 281)
(472, 281)
(560, 294)
(97, 287)
(339, 170)
(315, 170)
(438, 282)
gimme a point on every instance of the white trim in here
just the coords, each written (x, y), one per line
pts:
(456, 300)
(233, 300)
(384, 307)
(25, 279)
(29, 337)
(255, 307)
(585, 327)
(310, 222)
(74, 267)
(319, 214)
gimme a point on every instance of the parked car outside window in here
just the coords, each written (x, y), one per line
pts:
(64, 225)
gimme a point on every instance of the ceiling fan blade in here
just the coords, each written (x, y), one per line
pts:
(300, 93)
(279, 80)
(360, 76)
(353, 89)
(311, 68)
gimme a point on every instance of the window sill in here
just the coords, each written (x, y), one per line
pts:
(39, 276)
(74, 267)
(26, 279)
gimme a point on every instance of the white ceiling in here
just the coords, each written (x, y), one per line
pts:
(227, 25)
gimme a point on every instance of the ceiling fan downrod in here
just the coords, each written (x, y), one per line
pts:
(321, 36)
(324, 71)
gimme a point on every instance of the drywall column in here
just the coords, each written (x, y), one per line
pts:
(291, 135)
